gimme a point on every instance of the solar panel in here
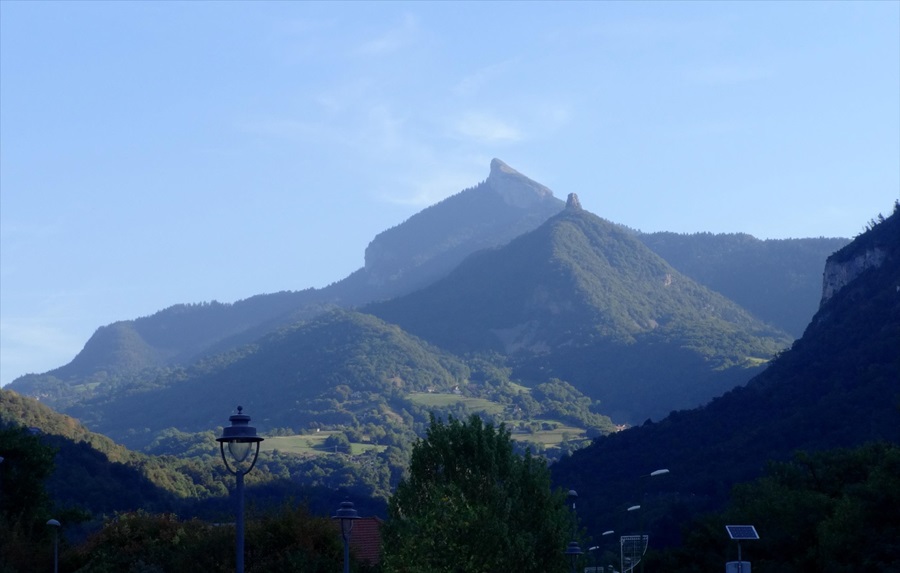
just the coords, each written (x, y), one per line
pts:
(742, 532)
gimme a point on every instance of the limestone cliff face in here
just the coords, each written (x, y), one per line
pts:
(515, 189)
(839, 274)
(432, 242)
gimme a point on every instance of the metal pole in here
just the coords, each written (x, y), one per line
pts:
(239, 525)
(644, 543)
(55, 550)
(346, 551)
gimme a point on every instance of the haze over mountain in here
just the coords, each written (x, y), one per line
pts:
(500, 269)
(778, 280)
(398, 260)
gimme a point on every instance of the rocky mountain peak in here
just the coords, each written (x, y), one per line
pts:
(572, 202)
(515, 189)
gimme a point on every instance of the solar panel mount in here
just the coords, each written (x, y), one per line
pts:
(742, 532)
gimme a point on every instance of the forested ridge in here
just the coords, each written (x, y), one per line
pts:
(836, 387)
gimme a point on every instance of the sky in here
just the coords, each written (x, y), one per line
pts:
(158, 153)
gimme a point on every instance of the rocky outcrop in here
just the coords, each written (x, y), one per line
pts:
(430, 243)
(515, 189)
(839, 274)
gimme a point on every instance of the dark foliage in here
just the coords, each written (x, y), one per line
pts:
(829, 512)
(471, 504)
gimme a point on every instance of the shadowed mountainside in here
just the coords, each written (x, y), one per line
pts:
(837, 386)
(583, 300)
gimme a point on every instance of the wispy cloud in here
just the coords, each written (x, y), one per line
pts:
(727, 74)
(279, 128)
(391, 40)
(41, 340)
(434, 183)
(473, 83)
(485, 128)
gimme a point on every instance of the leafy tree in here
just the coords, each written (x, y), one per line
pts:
(471, 504)
(833, 511)
(24, 503)
(338, 443)
(289, 539)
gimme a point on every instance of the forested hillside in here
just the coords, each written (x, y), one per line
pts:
(837, 386)
(778, 280)
(582, 300)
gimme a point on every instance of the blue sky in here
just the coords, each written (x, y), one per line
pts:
(156, 153)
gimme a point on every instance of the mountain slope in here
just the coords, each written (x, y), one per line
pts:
(295, 377)
(432, 242)
(778, 280)
(426, 246)
(94, 472)
(583, 300)
(838, 386)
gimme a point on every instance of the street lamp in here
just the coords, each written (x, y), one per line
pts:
(643, 499)
(241, 438)
(573, 551)
(55, 525)
(630, 545)
(604, 534)
(573, 495)
(346, 514)
(593, 555)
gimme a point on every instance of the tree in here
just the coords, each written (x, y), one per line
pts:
(286, 539)
(831, 511)
(24, 503)
(470, 504)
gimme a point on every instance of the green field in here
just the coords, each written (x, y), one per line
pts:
(434, 400)
(550, 437)
(311, 444)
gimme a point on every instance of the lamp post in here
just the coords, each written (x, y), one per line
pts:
(55, 525)
(644, 495)
(346, 514)
(243, 443)
(573, 551)
(627, 541)
(593, 555)
(573, 495)
(604, 534)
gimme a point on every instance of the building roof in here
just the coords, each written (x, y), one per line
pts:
(365, 539)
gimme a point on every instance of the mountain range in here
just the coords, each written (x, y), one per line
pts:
(554, 329)
(501, 300)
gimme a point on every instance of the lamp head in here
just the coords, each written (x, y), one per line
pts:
(346, 514)
(573, 549)
(240, 437)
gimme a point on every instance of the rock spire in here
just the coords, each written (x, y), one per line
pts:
(572, 202)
